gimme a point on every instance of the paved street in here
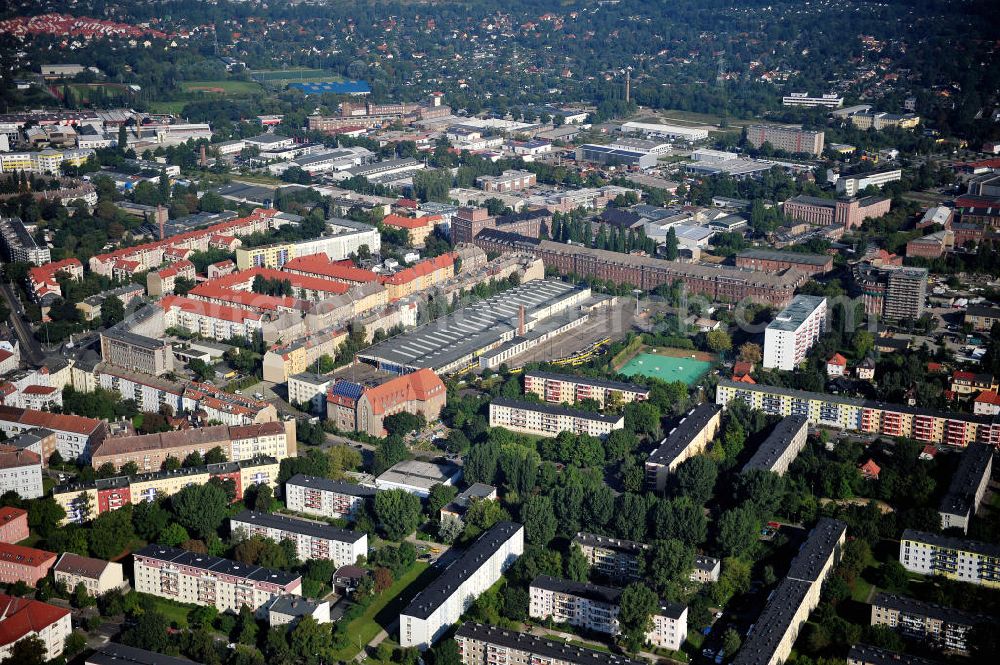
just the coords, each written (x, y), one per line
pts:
(31, 349)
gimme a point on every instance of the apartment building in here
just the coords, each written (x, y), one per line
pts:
(489, 645)
(354, 407)
(942, 627)
(20, 472)
(202, 579)
(849, 213)
(309, 389)
(238, 442)
(981, 317)
(85, 501)
(324, 497)
(955, 558)
(162, 282)
(43, 280)
(416, 228)
(511, 180)
(830, 100)
(771, 638)
(781, 447)
(24, 564)
(790, 139)
(968, 487)
(550, 419)
(284, 361)
(313, 540)
(22, 618)
(795, 329)
(96, 575)
(773, 261)
(210, 320)
(688, 438)
(706, 569)
(569, 389)
(864, 654)
(719, 283)
(19, 245)
(75, 436)
(595, 608)
(320, 265)
(851, 185)
(859, 415)
(48, 161)
(138, 343)
(447, 597)
(345, 239)
(895, 293)
(879, 120)
(120, 654)
(613, 558)
(127, 294)
(13, 524)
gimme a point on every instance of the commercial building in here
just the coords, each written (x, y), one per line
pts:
(24, 564)
(830, 100)
(96, 575)
(895, 293)
(882, 120)
(75, 436)
(781, 447)
(613, 558)
(595, 608)
(313, 540)
(19, 245)
(137, 343)
(610, 156)
(23, 618)
(545, 419)
(447, 597)
(863, 654)
(955, 558)
(688, 438)
(238, 442)
(20, 472)
(490, 645)
(720, 283)
(458, 340)
(85, 501)
(202, 579)
(13, 524)
(355, 407)
(795, 329)
(827, 212)
(767, 260)
(851, 185)
(418, 477)
(771, 638)
(943, 627)
(671, 132)
(968, 487)
(859, 415)
(324, 497)
(120, 654)
(511, 180)
(343, 237)
(569, 389)
(789, 139)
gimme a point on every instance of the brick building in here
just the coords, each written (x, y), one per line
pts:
(24, 564)
(826, 212)
(354, 407)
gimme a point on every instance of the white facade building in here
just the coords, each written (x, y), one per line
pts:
(324, 497)
(446, 598)
(21, 472)
(550, 419)
(794, 330)
(313, 540)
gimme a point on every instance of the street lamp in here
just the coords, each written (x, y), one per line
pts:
(637, 292)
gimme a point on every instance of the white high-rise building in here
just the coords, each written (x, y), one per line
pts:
(794, 330)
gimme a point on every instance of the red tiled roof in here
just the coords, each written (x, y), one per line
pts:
(988, 397)
(214, 310)
(321, 265)
(837, 359)
(419, 385)
(9, 514)
(53, 421)
(25, 556)
(23, 616)
(398, 221)
(39, 390)
(176, 269)
(421, 269)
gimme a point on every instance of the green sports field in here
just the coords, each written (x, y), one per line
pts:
(666, 368)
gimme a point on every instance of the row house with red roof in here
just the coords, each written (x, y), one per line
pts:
(420, 276)
(209, 319)
(43, 279)
(23, 618)
(417, 228)
(969, 383)
(76, 436)
(13, 524)
(322, 266)
(24, 564)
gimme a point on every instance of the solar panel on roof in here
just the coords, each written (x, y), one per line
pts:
(348, 389)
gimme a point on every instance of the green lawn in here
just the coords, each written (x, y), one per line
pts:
(222, 87)
(167, 107)
(174, 612)
(383, 610)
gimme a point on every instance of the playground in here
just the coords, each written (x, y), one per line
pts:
(669, 365)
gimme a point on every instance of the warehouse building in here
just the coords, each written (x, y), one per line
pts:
(670, 132)
(610, 156)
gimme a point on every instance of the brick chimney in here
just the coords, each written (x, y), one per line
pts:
(204, 156)
(520, 321)
(161, 219)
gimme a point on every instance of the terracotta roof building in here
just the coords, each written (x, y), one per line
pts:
(359, 408)
(24, 564)
(21, 618)
(13, 524)
(76, 436)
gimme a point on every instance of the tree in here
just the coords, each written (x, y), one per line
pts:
(577, 566)
(449, 529)
(484, 513)
(112, 311)
(200, 508)
(696, 479)
(750, 352)
(668, 564)
(311, 643)
(149, 632)
(539, 519)
(246, 627)
(398, 512)
(45, 516)
(75, 643)
(670, 247)
(173, 535)
(719, 341)
(642, 418)
(81, 598)
(260, 498)
(738, 528)
(638, 602)
(28, 651)
(439, 497)
(122, 138)
(445, 653)
(731, 642)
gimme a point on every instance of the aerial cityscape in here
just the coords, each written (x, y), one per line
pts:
(466, 332)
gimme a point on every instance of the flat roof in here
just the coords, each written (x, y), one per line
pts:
(121, 654)
(817, 549)
(459, 571)
(594, 592)
(328, 485)
(681, 436)
(947, 542)
(553, 650)
(796, 313)
(792, 257)
(470, 329)
(554, 409)
(415, 473)
(295, 525)
(771, 450)
(772, 624)
(932, 610)
(973, 466)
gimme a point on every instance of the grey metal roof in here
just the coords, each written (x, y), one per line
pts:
(776, 443)
(682, 435)
(293, 525)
